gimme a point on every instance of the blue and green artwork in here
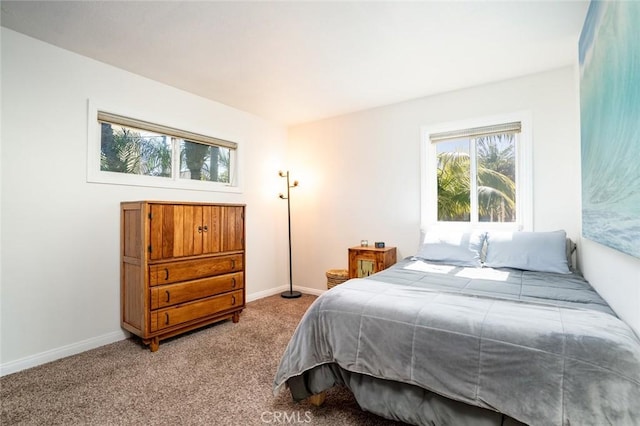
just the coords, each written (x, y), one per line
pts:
(609, 54)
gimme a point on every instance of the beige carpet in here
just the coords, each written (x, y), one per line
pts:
(219, 375)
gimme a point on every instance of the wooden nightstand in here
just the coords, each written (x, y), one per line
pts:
(364, 261)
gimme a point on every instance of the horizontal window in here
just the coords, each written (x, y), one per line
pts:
(137, 152)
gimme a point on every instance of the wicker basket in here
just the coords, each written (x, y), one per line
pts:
(336, 276)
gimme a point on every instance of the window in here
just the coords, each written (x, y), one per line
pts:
(137, 152)
(134, 151)
(477, 176)
(204, 162)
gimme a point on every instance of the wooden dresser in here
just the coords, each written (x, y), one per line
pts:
(182, 267)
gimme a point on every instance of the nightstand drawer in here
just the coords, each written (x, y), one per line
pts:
(167, 273)
(165, 318)
(174, 294)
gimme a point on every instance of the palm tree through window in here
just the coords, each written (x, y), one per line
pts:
(476, 178)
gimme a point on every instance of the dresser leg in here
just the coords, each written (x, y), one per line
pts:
(236, 317)
(154, 344)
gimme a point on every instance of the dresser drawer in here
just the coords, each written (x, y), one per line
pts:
(168, 317)
(167, 273)
(174, 294)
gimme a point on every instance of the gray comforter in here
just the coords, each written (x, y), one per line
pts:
(541, 348)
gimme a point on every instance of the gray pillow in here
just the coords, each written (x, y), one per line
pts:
(531, 251)
(453, 248)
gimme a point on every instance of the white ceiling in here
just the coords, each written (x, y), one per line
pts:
(296, 61)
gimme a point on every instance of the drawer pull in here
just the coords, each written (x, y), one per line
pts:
(233, 264)
(166, 318)
(233, 282)
(206, 228)
(166, 274)
(199, 229)
(168, 295)
(233, 300)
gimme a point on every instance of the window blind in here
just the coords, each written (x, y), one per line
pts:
(106, 117)
(474, 132)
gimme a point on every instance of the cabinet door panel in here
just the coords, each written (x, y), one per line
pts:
(165, 318)
(162, 233)
(362, 265)
(156, 232)
(233, 231)
(167, 273)
(211, 221)
(192, 230)
(176, 231)
(174, 294)
(167, 234)
(188, 230)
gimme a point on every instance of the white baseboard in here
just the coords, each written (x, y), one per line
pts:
(61, 352)
(309, 290)
(265, 293)
(95, 342)
(277, 290)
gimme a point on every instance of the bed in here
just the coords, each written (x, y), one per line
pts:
(476, 328)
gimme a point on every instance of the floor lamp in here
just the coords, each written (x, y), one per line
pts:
(290, 294)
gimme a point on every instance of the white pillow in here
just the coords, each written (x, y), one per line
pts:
(531, 251)
(451, 247)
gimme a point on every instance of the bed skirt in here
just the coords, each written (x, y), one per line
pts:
(395, 400)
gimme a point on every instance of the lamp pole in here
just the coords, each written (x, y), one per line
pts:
(290, 294)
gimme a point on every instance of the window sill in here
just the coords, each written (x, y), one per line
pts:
(111, 178)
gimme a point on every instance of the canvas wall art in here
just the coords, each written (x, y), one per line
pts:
(609, 56)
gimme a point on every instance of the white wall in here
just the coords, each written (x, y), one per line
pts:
(360, 173)
(60, 234)
(616, 276)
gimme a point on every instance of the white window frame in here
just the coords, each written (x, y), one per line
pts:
(524, 174)
(95, 175)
